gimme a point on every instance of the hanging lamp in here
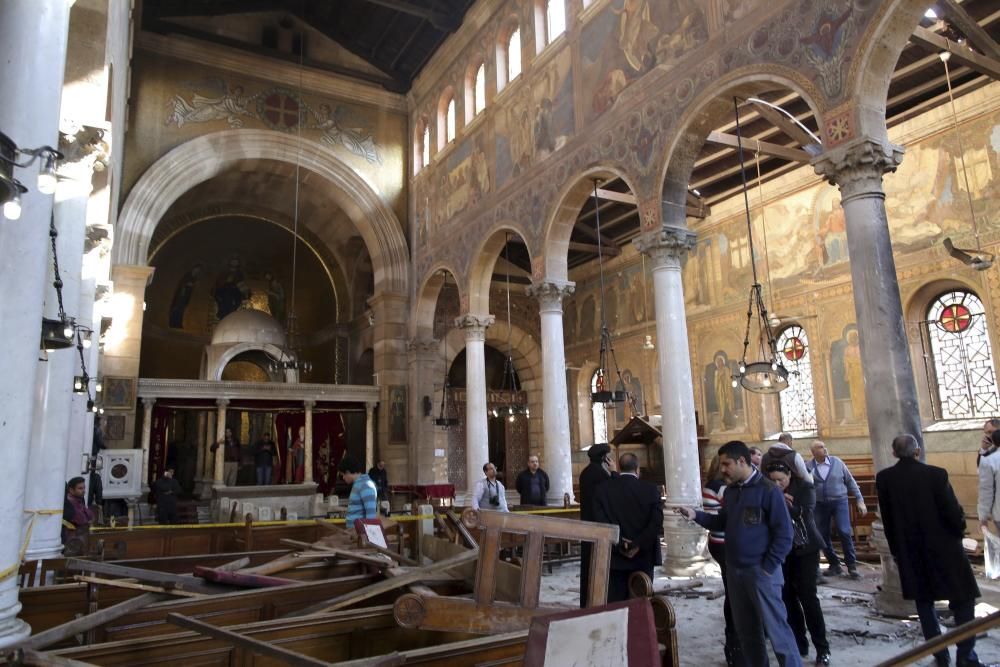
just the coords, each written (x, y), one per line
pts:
(602, 392)
(509, 381)
(442, 419)
(765, 374)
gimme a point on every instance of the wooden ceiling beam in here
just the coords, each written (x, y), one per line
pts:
(789, 127)
(968, 26)
(406, 45)
(440, 20)
(764, 147)
(934, 42)
(165, 8)
(620, 197)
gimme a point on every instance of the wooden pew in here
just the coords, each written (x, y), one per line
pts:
(863, 470)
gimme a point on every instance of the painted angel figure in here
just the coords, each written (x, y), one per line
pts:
(357, 140)
(228, 107)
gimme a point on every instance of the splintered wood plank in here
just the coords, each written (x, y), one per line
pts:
(487, 571)
(90, 621)
(180, 581)
(531, 577)
(133, 585)
(254, 645)
(450, 614)
(241, 579)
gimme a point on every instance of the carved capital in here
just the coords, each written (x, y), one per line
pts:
(309, 404)
(667, 246)
(857, 167)
(99, 238)
(550, 293)
(148, 402)
(222, 402)
(474, 325)
(85, 152)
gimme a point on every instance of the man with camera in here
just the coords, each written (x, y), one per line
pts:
(636, 508)
(489, 493)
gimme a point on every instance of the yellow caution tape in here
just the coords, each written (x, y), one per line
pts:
(7, 573)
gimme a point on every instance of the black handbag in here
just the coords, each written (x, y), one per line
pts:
(800, 534)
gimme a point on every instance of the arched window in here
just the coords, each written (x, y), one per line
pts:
(555, 19)
(959, 342)
(514, 55)
(599, 413)
(479, 90)
(798, 406)
(446, 118)
(449, 121)
(425, 146)
(421, 145)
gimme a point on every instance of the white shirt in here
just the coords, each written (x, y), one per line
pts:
(484, 490)
(822, 470)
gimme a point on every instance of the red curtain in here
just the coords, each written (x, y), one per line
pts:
(157, 443)
(327, 448)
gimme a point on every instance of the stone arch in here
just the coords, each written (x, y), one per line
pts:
(214, 367)
(878, 53)
(560, 221)
(427, 299)
(204, 157)
(483, 261)
(707, 112)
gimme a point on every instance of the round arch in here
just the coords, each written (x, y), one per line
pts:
(878, 55)
(560, 221)
(215, 366)
(427, 298)
(484, 260)
(706, 113)
(204, 157)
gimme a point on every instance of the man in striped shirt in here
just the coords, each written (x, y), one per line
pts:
(363, 501)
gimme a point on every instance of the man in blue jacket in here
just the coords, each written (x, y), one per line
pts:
(758, 538)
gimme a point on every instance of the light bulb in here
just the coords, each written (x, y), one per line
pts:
(77, 384)
(86, 342)
(144, 306)
(47, 175)
(767, 381)
(12, 208)
(100, 411)
(68, 331)
(511, 419)
(98, 387)
(735, 383)
(743, 367)
(774, 365)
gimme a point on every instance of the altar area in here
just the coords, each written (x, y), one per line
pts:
(183, 419)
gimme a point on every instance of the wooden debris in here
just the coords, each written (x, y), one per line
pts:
(85, 623)
(234, 565)
(240, 578)
(167, 589)
(179, 581)
(470, 541)
(32, 658)
(261, 648)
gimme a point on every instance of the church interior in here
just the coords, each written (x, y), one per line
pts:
(440, 233)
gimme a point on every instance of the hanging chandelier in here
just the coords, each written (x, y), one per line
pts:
(510, 383)
(602, 392)
(442, 419)
(765, 374)
(57, 334)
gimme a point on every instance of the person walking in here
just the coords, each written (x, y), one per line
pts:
(532, 484)
(784, 452)
(834, 483)
(379, 475)
(363, 501)
(636, 508)
(924, 525)
(758, 538)
(799, 568)
(711, 501)
(489, 494)
(597, 472)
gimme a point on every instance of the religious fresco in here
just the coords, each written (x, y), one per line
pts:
(723, 402)
(468, 175)
(530, 127)
(847, 378)
(625, 305)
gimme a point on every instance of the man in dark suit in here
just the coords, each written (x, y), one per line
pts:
(924, 525)
(635, 506)
(594, 475)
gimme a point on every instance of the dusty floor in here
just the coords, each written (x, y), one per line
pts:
(857, 634)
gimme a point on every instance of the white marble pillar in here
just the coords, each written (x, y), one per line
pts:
(477, 446)
(219, 479)
(50, 432)
(857, 168)
(148, 403)
(890, 390)
(667, 249)
(555, 406)
(33, 34)
(309, 405)
(369, 436)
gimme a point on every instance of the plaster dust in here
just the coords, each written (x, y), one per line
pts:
(857, 634)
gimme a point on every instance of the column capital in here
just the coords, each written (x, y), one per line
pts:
(86, 151)
(370, 406)
(550, 293)
(148, 401)
(309, 404)
(474, 325)
(857, 166)
(423, 346)
(667, 246)
(222, 402)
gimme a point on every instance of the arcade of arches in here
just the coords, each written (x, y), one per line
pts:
(378, 221)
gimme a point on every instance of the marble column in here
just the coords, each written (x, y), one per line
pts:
(477, 447)
(555, 406)
(201, 447)
(208, 479)
(369, 436)
(667, 248)
(426, 468)
(857, 168)
(219, 479)
(53, 407)
(148, 403)
(890, 390)
(34, 35)
(309, 405)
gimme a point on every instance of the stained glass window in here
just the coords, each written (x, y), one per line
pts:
(599, 413)
(961, 356)
(798, 405)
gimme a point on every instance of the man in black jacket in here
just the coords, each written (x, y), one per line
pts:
(636, 508)
(924, 525)
(532, 484)
(594, 475)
